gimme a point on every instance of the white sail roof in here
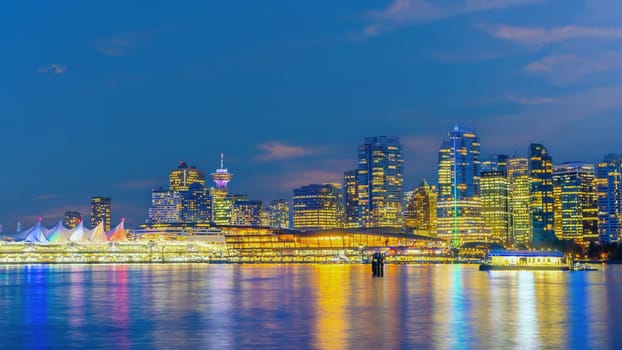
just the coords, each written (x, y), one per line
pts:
(58, 233)
(79, 233)
(98, 234)
(36, 234)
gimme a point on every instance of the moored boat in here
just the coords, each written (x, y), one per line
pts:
(524, 260)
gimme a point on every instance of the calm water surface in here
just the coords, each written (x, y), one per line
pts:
(306, 307)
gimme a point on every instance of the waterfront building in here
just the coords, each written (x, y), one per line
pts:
(379, 182)
(351, 199)
(609, 189)
(541, 191)
(576, 202)
(420, 213)
(165, 206)
(279, 214)
(72, 219)
(247, 213)
(459, 216)
(495, 203)
(181, 178)
(519, 200)
(316, 206)
(100, 211)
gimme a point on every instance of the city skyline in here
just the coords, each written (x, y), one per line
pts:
(117, 101)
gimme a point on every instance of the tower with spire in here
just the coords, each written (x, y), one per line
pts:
(222, 202)
(222, 176)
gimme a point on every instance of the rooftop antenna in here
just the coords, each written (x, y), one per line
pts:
(222, 160)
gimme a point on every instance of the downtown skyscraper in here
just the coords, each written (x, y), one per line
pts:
(459, 206)
(100, 211)
(541, 191)
(609, 188)
(420, 213)
(318, 206)
(379, 182)
(519, 200)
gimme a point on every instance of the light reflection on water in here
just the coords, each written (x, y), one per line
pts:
(306, 307)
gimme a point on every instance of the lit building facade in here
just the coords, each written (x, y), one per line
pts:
(519, 200)
(541, 191)
(222, 203)
(609, 189)
(576, 202)
(247, 213)
(279, 214)
(100, 211)
(72, 219)
(181, 178)
(351, 199)
(317, 206)
(379, 182)
(459, 207)
(420, 213)
(494, 189)
(165, 207)
(196, 204)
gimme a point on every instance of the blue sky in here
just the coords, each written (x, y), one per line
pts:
(105, 97)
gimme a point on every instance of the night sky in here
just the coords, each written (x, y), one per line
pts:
(105, 97)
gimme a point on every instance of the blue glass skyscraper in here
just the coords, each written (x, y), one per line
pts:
(541, 192)
(609, 189)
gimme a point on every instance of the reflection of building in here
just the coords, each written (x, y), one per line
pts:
(609, 188)
(181, 178)
(72, 219)
(100, 211)
(576, 202)
(459, 206)
(520, 214)
(247, 213)
(421, 210)
(351, 199)
(165, 207)
(494, 197)
(379, 181)
(317, 206)
(278, 212)
(541, 189)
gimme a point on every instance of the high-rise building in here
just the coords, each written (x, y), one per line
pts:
(181, 178)
(576, 202)
(459, 207)
(495, 203)
(222, 203)
(247, 213)
(541, 191)
(100, 211)
(380, 181)
(316, 206)
(421, 211)
(519, 200)
(279, 214)
(165, 207)
(351, 199)
(609, 189)
(72, 219)
(196, 204)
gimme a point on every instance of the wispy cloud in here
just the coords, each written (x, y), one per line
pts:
(47, 196)
(533, 100)
(53, 68)
(569, 68)
(119, 45)
(138, 184)
(293, 179)
(534, 36)
(405, 12)
(275, 150)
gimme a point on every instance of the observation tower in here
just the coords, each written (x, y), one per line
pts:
(222, 176)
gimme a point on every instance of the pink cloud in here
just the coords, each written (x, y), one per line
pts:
(403, 12)
(541, 36)
(537, 100)
(138, 184)
(53, 68)
(275, 150)
(564, 69)
(291, 180)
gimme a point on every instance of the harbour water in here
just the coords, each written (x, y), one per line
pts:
(185, 306)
